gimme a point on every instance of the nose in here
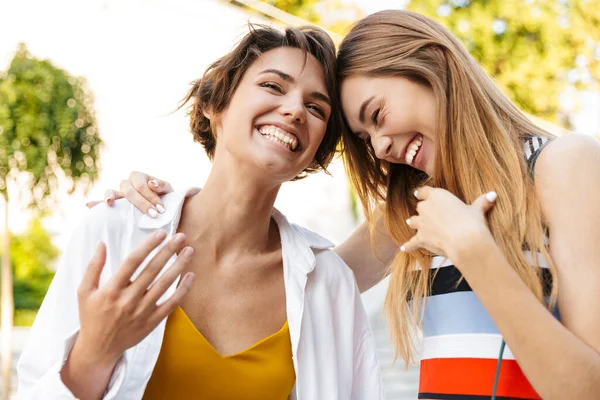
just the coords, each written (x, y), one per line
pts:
(382, 146)
(294, 110)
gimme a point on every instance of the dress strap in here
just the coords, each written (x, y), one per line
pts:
(533, 146)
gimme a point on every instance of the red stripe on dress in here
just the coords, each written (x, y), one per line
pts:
(474, 376)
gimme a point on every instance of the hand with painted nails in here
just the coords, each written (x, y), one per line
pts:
(122, 312)
(445, 225)
(141, 190)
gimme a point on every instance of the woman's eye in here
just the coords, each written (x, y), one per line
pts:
(273, 86)
(375, 116)
(318, 109)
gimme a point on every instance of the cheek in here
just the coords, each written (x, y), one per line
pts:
(317, 129)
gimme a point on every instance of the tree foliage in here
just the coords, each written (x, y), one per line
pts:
(535, 50)
(47, 127)
(32, 255)
(538, 51)
(301, 8)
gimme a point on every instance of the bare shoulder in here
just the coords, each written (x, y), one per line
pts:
(567, 155)
(567, 173)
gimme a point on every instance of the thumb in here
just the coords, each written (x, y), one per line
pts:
(486, 201)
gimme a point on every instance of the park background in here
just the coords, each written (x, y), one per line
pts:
(87, 91)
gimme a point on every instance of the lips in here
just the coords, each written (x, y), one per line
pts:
(278, 134)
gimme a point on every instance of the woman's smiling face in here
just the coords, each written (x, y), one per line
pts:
(278, 115)
(398, 116)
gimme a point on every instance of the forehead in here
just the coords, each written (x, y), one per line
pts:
(303, 67)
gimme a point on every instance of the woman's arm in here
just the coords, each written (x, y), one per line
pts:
(368, 264)
(562, 360)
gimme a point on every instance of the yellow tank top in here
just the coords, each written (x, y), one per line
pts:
(188, 367)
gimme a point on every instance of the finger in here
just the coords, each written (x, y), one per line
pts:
(92, 203)
(485, 202)
(159, 287)
(91, 278)
(139, 200)
(159, 187)
(174, 246)
(423, 192)
(413, 222)
(162, 311)
(139, 180)
(412, 245)
(111, 195)
(132, 262)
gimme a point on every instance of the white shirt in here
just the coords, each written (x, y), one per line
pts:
(333, 347)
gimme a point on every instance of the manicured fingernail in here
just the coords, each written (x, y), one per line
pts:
(403, 249)
(491, 196)
(416, 193)
(408, 221)
(188, 277)
(160, 208)
(153, 182)
(109, 200)
(152, 212)
(160, 234)
(188, 252)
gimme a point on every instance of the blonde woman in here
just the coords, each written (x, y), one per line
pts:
(253, 307)
(498, 221)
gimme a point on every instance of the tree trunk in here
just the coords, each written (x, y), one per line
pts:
(7, 308)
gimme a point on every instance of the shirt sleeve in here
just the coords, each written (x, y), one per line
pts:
(367, 383)
(56, 326)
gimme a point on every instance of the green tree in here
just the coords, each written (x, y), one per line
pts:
(535, 50)
(300, 8)
(32, 255)
(47, 131)
(334, 15)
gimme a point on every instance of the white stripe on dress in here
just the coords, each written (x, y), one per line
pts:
(477, 345)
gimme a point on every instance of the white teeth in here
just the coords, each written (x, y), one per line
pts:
(279, 135)
(412, 149)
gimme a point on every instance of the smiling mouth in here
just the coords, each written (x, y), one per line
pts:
(413, 149)
(279, 135)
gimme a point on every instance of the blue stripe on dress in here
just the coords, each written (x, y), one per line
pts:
(458, 313)
(455, 313)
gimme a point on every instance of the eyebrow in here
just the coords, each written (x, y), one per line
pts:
(363, 107)
(290, 79)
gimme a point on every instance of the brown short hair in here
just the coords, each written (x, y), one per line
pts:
(214, 90)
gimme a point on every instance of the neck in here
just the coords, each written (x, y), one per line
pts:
(231, 215)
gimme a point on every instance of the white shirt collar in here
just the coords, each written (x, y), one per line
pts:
(174, 203)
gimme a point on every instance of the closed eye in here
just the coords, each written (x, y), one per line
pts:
(272, 86)
(375, 116)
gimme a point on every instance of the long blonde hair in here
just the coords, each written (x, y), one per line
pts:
(479, 147)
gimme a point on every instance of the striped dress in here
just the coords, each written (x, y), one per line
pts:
(461, 342)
